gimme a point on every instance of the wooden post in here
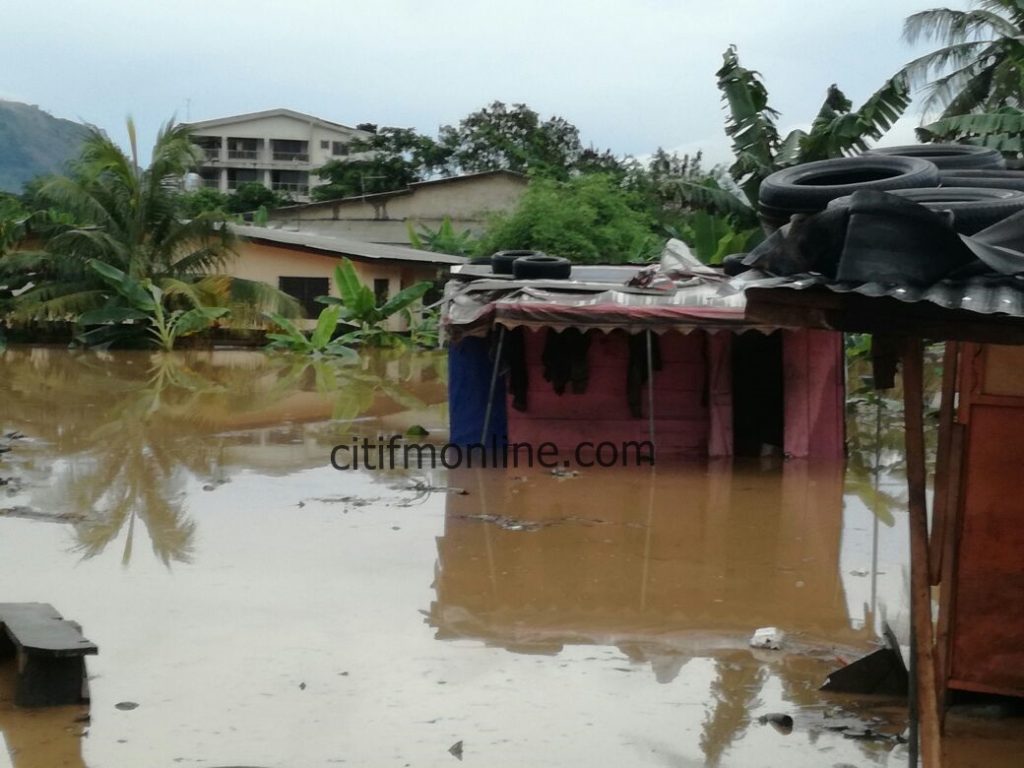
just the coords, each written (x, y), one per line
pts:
(943, 461)
(920, 589)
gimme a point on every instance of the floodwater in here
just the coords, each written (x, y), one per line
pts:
(262, 608)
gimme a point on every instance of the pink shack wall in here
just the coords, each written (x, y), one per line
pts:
(692, 396)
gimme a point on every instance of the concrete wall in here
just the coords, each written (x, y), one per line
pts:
(267, 263)
(382, 218)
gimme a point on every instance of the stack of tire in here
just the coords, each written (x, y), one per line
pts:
(970, 182)
(530, 265)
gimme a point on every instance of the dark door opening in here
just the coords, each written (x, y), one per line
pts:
(757, 411)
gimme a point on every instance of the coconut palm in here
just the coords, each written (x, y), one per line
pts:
(112, 211)
(979, 66)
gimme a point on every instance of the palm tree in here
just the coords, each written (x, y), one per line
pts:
(111, 211)
(979, 66)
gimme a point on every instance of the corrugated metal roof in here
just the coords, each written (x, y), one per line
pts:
(344, 246)
(988, 294)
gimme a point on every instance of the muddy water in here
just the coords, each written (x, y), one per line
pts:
(262, 608)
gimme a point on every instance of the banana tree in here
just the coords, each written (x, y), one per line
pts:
(319, 342)
(142, 303)
(759, 149)
(358, 308)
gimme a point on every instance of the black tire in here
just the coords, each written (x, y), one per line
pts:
(946, 156)
(540, 266)
(973, 208)
(501, 262)
(993, 179)
(808, 188)
(733, 264)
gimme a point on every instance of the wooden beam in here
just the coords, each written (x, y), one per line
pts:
(943, 460)
(920, 590)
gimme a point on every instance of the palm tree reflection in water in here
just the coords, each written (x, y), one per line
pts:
(125, 433)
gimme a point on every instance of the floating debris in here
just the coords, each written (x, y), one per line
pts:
(515, 524)
(780, 722)
(422, 487)
(456, 749)
(767, 637)
(28, 513)
(126, 706)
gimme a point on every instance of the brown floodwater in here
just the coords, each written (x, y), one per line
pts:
(262, 608)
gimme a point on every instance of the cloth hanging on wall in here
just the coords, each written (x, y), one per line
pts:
(515, 366)
(565, 360)
(636, 369)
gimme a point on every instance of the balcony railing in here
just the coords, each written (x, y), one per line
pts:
(211, 153)
(243, 154)
(284, 186)
(236, 183)
(302, 157)
(211, 183)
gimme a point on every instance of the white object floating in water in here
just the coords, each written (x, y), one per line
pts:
(767, 637)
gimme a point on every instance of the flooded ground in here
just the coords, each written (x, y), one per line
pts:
(264, 609)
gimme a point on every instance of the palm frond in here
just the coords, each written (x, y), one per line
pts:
(948, 26)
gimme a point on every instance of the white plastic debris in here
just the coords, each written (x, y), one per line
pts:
(767, 637)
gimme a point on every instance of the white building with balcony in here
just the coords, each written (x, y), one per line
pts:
(277, 148)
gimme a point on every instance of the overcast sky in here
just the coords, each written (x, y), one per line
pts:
(632, 75)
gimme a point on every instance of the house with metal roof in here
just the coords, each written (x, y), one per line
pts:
(302, 264)
(661, 356)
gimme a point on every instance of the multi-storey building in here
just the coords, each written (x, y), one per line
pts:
(278, 148)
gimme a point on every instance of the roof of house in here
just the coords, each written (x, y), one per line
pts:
(280, 112)
(408, 190)
(678, 294)
(886, 265)
(343, 246)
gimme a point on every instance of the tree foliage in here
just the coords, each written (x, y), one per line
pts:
(977, 67)
(499, 137)
(111, 211)
(1002, 130)
(392, 158)
(587, 219)
(838, 129)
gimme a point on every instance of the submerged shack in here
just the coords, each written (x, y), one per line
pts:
(625, 355)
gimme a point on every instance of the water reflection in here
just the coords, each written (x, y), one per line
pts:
(116, 441)
(637, 557)
(666, 565)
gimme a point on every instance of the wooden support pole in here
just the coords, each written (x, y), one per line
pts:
(943, 461)
(920, 589)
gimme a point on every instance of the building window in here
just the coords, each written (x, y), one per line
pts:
(324, 144)
(306, 289)
(290, 150)
(380, 289)
(339, 148)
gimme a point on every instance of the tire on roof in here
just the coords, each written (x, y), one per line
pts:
(501, 261)
(973, 208)
(946, 156)
(540, 266)
(992, 178)
(808, 188)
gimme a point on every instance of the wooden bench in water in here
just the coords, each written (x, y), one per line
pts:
(50, 654)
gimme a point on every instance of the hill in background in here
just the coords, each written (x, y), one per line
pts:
(33, 143)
